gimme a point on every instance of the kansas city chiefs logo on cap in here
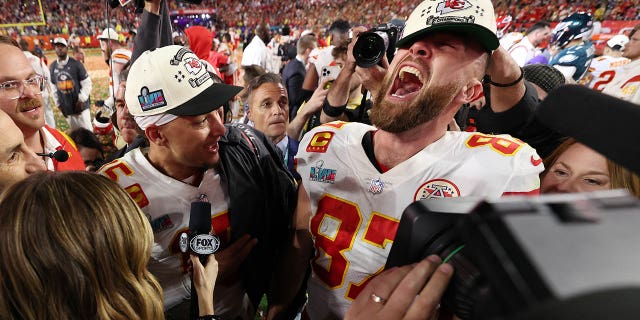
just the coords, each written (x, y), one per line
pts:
(193, 65)
(449, 6)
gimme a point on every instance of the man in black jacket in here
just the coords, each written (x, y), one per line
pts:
(294, 72)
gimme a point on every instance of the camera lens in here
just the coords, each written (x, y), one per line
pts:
(369, 49)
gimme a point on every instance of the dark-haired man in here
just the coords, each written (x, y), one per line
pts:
(527, 48)
(256, 52)
(17, 161)
(73, 87)
(192, 156)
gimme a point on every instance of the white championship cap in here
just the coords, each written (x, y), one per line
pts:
(109, 34)
(474, 17)
(173, 80)
(60, 40)
(619, 40)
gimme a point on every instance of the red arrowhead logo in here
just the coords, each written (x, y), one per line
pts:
(535, 162)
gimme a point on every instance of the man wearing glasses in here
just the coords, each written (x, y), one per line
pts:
(21, 98)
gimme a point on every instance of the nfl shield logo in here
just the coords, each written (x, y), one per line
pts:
(376, 186)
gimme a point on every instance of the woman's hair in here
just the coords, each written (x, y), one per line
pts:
(620, 177)
(74, 245)
(623, 178)
(86, 138)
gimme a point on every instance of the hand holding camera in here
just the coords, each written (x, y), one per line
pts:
(371, 47)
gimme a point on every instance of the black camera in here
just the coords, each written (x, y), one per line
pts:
(372, 45)
(553, 257)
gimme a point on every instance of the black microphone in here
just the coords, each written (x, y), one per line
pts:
(600, 121)
(60, 155)
(199, 241)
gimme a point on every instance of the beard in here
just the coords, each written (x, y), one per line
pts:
(399, 117)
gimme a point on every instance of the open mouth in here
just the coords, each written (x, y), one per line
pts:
(213, 148)
(409, 81)
(29, 106)
(30, 109)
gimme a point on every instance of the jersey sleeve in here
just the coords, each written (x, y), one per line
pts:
(525, 177)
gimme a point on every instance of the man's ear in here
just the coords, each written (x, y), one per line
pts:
(155, 135)
(471, 92)
(249, 114)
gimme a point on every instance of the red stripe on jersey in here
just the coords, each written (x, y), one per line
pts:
(534, 192)
(121, 56)
(634, 79)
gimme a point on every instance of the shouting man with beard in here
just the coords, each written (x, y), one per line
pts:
(21, 98)
(361, 177)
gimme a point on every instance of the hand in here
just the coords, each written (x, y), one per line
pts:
(78, 107)
(371, 78)
(230, 259)
(502, 67)
(317, 99)
(401, 292)
(478, 103)
(153, 6)
(204, 280)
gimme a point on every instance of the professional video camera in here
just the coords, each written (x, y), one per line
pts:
(373, 44)
(552, 257)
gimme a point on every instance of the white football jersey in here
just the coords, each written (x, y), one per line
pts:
(510, 39)
(603, 69)
(356, 209)
(167, 203)
(626, 83)
(121, 56)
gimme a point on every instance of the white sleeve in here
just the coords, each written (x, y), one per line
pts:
(519, 54)
(525, 179)
(567, 71)
(85, 89)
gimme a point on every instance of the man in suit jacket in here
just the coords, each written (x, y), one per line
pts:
(269, 112)
(295, 71)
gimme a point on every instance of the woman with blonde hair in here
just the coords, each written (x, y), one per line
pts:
(74, 245)
(574, 167)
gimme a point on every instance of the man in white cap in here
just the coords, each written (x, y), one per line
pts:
(116, 56)
(626, 83)
(192, 156)
(603, 68)
(361, 177)
(73, 87)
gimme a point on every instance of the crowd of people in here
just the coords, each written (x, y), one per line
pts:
(88, 18)
(307, 189)
(530, 11)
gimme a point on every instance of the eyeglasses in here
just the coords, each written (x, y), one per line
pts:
(14, 89)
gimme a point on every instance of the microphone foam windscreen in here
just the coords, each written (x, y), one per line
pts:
(61, 155)
(200, 218)
(606, 124)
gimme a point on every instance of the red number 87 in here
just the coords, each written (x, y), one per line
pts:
(345, 217)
